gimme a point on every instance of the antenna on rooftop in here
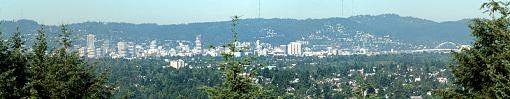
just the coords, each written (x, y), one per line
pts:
(342, 7)
(352, 8)
(21, 14)
(259, 10)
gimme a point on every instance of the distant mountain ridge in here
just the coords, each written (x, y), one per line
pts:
(407, 29)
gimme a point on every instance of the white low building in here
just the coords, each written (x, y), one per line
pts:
(176, 64)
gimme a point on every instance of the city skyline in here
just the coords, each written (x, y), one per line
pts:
(244, 49)
(178, 12)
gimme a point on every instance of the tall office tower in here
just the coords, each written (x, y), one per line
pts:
(91, 38)
(99, 53)
(152, 48)
(130, 49)
(121, 48)
(198, 45)
(139, 51)
(258, 48)
(332, 51)
(198, 42)
(294, 48)
(105, 49)
(257, 45)
(81, 51)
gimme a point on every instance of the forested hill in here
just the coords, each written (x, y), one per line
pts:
(276, 31)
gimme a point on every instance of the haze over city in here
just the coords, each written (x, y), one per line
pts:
(53, 12)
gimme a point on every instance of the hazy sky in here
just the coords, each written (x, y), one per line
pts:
(188, 11)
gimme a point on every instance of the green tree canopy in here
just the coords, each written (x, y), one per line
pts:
(483, 70)
(37, 74)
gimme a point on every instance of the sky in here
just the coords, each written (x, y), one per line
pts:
(52, 12)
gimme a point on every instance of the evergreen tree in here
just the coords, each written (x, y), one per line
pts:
(65, 75)
(20, 65)
(40, 47)
(4, 53)
(238, 80)
(60, 74)
(7, 80)
(38, 63)
(483, 70)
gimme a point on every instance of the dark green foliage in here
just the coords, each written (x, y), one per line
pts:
(483, 70)
(67, 76)
(40, 46)
(7, 80)
(37, 74)
(39, 65)
(146, 78)
(17, 73)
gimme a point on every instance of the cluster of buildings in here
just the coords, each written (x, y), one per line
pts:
(128, 50)
(153, 49)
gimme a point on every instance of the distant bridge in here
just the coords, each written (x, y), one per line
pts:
(435, 50)
(445, 44)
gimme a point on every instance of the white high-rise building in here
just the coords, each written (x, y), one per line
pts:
(105, 49)
(279, 50)
(81, 51)
(130, 49)
(332, 51)
(294, 48)
(139, 51)
(91, 38)
(258, 49)
(98, 53)
(198, 42)
(257, 45)
(198, 45)
(183, 47)
(121, 48)
(152, 48)
(172, 52)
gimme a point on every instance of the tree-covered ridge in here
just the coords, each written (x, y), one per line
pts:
(40, 73)
(409, 29)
